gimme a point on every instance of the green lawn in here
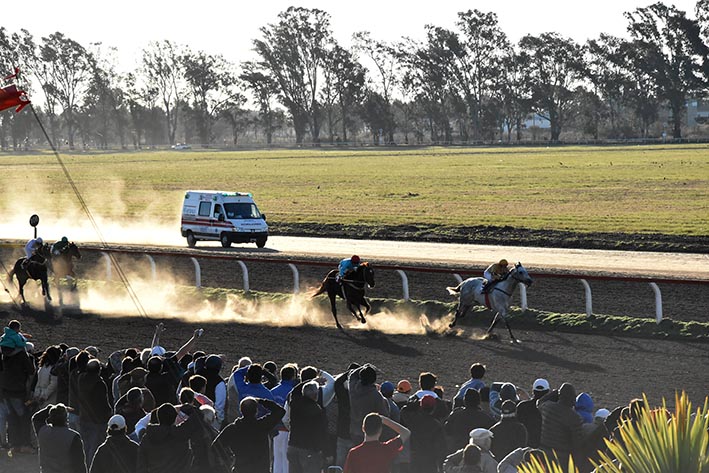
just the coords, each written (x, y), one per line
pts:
(661, 189)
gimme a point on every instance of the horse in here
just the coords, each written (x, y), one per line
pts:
(498, 297)
(36, 269)
(62, 265)
(352, 290)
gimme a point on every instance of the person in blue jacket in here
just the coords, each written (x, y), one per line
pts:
(348, 264)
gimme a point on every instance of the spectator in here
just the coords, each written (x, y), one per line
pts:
(60, 448)
(130, 407)
(269, 373)
(308, 430)
(45, 391)
(342, 395)
(216, 387)
(427, 384)
(519, 457)
(561, 426)
(373, 456)
(364, 398)
(118, 453)
(289, 375)
(61, 371)
(17, 371)
(247, 438)
(165, 447)
(584, 407)
(477, 371)
(93, 407)
(471, 462)
(12, 341)
(203, 454)
(198, 384)
(499, 393)
(248, 382)
(508, 433)
(464, 419)
(233, 396)
(529, 415)
(160, 383)
(482, 438)
(403, 392)
(136, 379)
(595, 434)
(428, 443)
(387, 391)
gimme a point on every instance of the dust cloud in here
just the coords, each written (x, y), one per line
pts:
(61, 215)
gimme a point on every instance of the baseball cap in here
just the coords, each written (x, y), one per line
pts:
(602, 413)
(387, 387)
(428, 402)
(157, 351)
(116, 422)
(404, 386)
(541, 384)
(478, 434)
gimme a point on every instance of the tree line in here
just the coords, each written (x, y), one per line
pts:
(467, 84)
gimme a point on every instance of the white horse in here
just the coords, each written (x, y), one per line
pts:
(497, 299)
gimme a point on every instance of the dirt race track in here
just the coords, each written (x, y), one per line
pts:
(612, 369)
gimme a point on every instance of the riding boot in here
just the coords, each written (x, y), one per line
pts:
(25, 263)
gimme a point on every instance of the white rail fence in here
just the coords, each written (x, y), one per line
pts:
(401, 271)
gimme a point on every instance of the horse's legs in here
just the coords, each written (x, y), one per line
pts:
(21, 285)
(494, 322)
(514, 340)
(333, 306)
(45, 289)
(461, 312)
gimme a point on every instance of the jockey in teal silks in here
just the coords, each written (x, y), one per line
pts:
(59, 246)
(347, 264)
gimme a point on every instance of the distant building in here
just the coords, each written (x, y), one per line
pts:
(697, 112)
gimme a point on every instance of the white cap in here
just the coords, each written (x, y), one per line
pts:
(116, 422)
(480, 434)
(157, 351)
(602, 413)
(541, 384)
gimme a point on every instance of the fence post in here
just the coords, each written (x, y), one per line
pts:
(245, 275)
(458, 277)
(105, 256)
(523, 296)
(404, 284)
(197, 272)
(658, 302)
(589, 299)
(153, 272)
(296, 278)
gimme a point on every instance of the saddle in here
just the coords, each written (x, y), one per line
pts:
(487, 286)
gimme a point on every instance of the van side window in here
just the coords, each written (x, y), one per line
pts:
(218, 210)
(205, 209)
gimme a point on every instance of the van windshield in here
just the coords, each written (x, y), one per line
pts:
(241, 211)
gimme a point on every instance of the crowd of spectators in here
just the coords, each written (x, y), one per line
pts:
(152, 410)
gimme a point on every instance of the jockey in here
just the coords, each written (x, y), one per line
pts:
(31, 248)
(59, 246)
(495, 272)
(347, 264)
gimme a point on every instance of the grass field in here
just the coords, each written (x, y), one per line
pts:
(639, 189)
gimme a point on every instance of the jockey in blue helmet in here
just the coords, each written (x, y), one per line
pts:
(59, 246)
(348, 264)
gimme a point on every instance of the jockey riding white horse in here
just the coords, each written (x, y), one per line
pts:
(497, 299)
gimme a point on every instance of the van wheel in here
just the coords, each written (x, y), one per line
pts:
(261, 242)
(224, 239)
(191, 240)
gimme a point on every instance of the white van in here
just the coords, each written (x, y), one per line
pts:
(228, 217)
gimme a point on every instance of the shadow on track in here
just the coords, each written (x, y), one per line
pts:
(378, 341)
(529, 355)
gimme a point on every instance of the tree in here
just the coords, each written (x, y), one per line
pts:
(212, 88)
(293, 51)
(515, 90)
(65, 66)
(555, 66)
(345, 88)
(163, 70)
(264, 89)
(673, 55)
(387, 71)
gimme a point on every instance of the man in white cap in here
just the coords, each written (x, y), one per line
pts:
(529, 415)
(483, 439)
(118, 454)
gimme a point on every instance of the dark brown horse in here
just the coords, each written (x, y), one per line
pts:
(62, 265)
(351, 289)
(36, 268)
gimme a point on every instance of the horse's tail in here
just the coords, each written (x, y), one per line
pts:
(454, 291)
(10, 275)
(320, 290)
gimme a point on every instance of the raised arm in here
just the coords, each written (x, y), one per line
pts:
(189, 345)
(159, 328)
(328, 391)
(403, 432)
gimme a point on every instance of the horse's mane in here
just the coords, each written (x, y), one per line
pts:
(365, 264)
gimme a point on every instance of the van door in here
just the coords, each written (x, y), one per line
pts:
(216, 224)
(203, 216)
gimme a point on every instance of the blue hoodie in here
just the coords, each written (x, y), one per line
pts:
(12, 339)
(584, 407)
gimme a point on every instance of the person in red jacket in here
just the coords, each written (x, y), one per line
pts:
(373, 456)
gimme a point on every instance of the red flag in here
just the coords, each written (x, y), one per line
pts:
(11, 97)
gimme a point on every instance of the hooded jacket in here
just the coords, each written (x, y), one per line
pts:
(166, 448)
(118, 454)
(584, 407)
(93, 398)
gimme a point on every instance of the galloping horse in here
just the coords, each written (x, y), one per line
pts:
(62, 265)
(36, 268)
(352, 290)
(498, 299)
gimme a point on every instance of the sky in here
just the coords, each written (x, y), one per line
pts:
(228, 27)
